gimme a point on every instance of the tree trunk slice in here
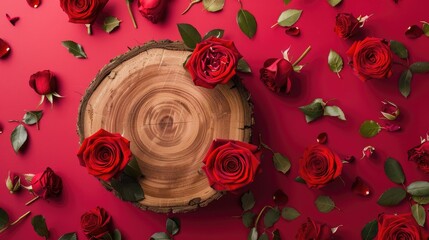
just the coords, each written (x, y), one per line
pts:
(147, 96)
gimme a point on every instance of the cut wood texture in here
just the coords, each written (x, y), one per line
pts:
(147, 96)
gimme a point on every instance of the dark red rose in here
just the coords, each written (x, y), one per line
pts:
(401, 226)
(154, 10)
(43, 82)
(312, 230)
(96, 223)
(213, 62)
(371, 58)
(82, 11)
(420, 155)
(104, 154)
(276, 74)
(230, 165)
(47, 184)
(319, 165)
(346, 25)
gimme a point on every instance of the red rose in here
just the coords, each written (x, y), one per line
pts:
(420, 155)
(47, 184)
(213, 61)
(104, 154)
(154, 10)
(402, 226)
(371, 58)
(43, 82)
(230, 165)
(346, 25)
(275, 74)
(312, 230)
(95, 223)
(82, 11)
(319, 165)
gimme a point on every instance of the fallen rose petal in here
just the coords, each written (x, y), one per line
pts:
(12, 20)
(4, 48)
(34, 3)
(413, 32)
(359, 187)
(322, 138)
(280, 198)
(391, 127)
(367, 152)
(349, 159)
(293, 31)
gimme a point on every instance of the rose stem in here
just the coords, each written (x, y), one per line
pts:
(20, 218)
(32, 200)
(302, 56)
(260, 214)
(88, 28)
(276, 24)
(131, 13)
(189, 6)
(17, 121)
(241, 4)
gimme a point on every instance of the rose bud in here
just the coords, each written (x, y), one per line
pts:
(46, 184)
(276, 74)
(420, 155)
(154, 10)
(389, 110)
(314, 231)
(44, 83)
(96, 223)
(13, 182)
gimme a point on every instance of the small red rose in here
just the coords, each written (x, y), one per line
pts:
(44, 83)
(213, 61)
(230, 165)
(96, 223)
(154, 10)
(346, 25)
(47, 184)
(312, 230)
(401, 226)
(420, 155)
(276, 74)
(105, 154)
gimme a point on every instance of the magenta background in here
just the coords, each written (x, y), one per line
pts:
(36, 45)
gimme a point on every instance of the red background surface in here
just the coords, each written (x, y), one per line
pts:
(36, 45)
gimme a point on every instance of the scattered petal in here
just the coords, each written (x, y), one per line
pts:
(367, 152)
(322, 138)
(293, 31)
(413, 32)
(349, 159)
(389, 110)
(12, 20)
(280, 198)
(34, 3)
(359, 187)
(4, 48)
(391, 127)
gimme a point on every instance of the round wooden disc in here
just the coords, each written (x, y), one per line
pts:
(147, 96)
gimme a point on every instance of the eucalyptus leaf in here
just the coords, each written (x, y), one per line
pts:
(313, 110)
(160, 236)
(213, 5)
(394, 171)
(290, 213)
(370, 230)
(289, 17)
(117, 235)
(419, 67)
(189, 34)
(248, 219)
(32, 117)
(247, 22)
(253, 234)
(243, 66)
(392, 197)
(281, 163)
(271, 217)
(172, 226)
(334, 111)
(324, 204)
(335, 62)
(369, 128)
(217, 33)
(68, 236)
(18, 137)
(418, 188)
(263, 236)
(405, 83)
(419, 214)
(423, 200)
(127, 188)
(399, 49)
(39, 225)
(247, 201)
(334, 3)
(4, 219)
(110, 23)
(74, 48)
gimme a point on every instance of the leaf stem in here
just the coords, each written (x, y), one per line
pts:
(275, 25)
(20, 218)
(17, 121)
(302, 56)
(241, 4)
(190, 6)
(131, 14)
(32, 200)
(402, 64)
(260, 215)
(88, 28)
(264, 145)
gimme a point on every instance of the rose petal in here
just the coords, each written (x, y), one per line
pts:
(293, 31)
(349, 159)
(367, 152)
(12, 20)
(413, 32)
(34, 3)
(4, 48)
(322, 138)
(280, 198)
(391, 127)
(359, 187)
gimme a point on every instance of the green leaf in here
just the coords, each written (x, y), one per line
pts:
(281, 163)
(172, 226)
(106, 236)
(313, 110)
(160, 236)
(370, 230)
(425, 28)
(110, 23)
(243, 66)
(213, 5)
(418, 188)
(398, 49)
(247, 22)
(419, 67)
(419, 214)
(335, 62)
(253, 234)
(300, 180)
(276, 235)
(4, 219)
(394, 171)
(405, 82)
(127, 188)
(248, 219)
(287, 1)
(217, 33)
(68, 236)
(369, 129)
(117, 235)
(334, 111)
(74, 48)
(421, 200)
(289, 17)
(271, 217)
(263, 236)
(18, 137)
(334, 3)
(32, 117)
(247, 201)
(392, 197)
(324, 204)
(132, 169)
(290, 214)
(189, 34)
(39, 225)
